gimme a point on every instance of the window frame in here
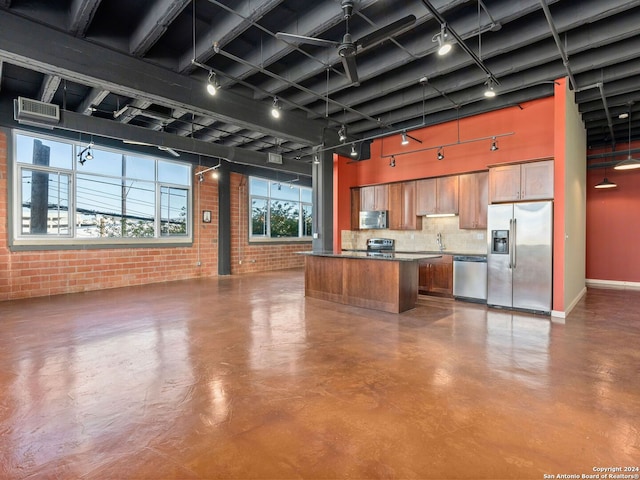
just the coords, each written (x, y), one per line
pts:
(20, 241)
(268, 199)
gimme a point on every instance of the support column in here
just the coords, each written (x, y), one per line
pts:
(322, 183)
(224, 219)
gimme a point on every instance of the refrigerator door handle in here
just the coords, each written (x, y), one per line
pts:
(510, 244)
(515, 241)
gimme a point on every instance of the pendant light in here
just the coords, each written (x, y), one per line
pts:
(606, 183)
(628, 163)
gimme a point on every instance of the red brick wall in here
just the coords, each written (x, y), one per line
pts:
(50, 272)
(246, 258)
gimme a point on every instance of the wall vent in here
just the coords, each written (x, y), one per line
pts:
(33, 112)
(275, 158)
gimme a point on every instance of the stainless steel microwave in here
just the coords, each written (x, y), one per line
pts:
(373, 219)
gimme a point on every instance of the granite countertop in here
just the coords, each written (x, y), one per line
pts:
(430, 252)
(394, 256)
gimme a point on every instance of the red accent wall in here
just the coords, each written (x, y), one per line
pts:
(558, 139)
(532, 125)
(50, 272)
(613, 223)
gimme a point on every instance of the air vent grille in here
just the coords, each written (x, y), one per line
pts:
(275, 158)
(34, 112)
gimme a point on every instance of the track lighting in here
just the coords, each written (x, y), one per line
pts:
(212, 85)
(275, 109)
(354, 153)
(342, 133)
(494, 144)
(88, 154)
(444, 46)
(440, 154)
(629, 163)
(405, 140)
(213, 170)
(316, 160)
(490, 90)
(392, 162)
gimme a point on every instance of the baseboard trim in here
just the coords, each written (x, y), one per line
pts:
(612, 284)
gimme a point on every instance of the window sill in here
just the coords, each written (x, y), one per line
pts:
(106, 243)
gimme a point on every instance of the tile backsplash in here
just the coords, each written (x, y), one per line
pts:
(453, 238)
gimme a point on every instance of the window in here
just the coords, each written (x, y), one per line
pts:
(279, 210)
(113, 197)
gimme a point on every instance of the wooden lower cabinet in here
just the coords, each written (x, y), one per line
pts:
(435, 276)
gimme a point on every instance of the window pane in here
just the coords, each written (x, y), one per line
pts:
(103, 162)
(285, 192)
(45, 203)
(44, 152)
(258, 187)
(307, 217)
(99, 206)
(138, 209)
(258, 217)
(284, 219)
(305, 195)
(173, 211)
(140, 168)
(172, 172)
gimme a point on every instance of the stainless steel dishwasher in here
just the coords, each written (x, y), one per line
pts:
(470, 278)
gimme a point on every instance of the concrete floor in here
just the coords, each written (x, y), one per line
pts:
(242, 377)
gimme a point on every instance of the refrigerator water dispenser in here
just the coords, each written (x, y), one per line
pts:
(500, 241)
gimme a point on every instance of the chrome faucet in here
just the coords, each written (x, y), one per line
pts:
(439, 241)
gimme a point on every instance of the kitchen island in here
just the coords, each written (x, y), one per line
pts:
(387, 282)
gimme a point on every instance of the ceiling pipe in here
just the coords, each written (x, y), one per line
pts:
(607, 113)
(556, 37)
(460, 41)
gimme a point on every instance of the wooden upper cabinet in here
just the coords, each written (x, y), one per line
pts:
(374, 197)
(402, 207)
(437, 195)
(355, 209)
(474, 197)
(526, 181)
(536, 180)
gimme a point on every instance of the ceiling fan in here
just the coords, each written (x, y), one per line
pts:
(347, 48)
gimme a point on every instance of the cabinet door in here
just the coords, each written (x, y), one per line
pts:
(410, 219)
(381, 197)
(442, 276)
(536, 180)
(402, 207)
(355, 209)
(367, 198)
(482, 184)
(474, 188)
(394, 221)
(436, 276)
(426, 196)
(504, 183)
(447, 194)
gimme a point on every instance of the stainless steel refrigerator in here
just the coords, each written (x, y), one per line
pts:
(519, 257)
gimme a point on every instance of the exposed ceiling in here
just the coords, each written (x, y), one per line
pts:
(113, 65)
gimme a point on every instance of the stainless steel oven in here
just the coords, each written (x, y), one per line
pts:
(381, 247)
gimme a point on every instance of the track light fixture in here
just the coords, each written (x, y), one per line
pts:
(214, 173)
(628, 163)
(354, 153)
(490, 91)
(275, 109)
(444, 46)
(494, 144)
(405, 140)
(392, 162)
(342, 133)
(88, 154)
(212, 85)
(440, 154)
(316, 160)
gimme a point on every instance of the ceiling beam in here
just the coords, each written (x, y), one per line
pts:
(81, 14)
(154, 24)
(76, 122)
(93, 98)
(32, 45)
(49, 87)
